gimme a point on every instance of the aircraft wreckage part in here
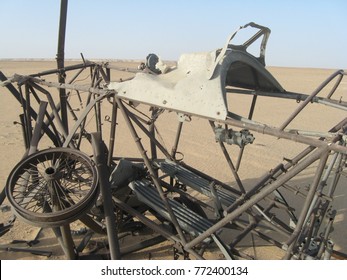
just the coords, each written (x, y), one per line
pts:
(110, 219)
(257, 197)
(185, 89)
(189, 89)
(52, 187)
(55, 187)
(232, 119)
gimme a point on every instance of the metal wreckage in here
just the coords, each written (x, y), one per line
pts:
(115, 197)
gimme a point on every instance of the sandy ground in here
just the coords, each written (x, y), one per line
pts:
(198, 147)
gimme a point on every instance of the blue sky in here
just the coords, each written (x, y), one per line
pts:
(306, 33)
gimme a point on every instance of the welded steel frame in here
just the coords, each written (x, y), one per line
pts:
(317, 150)
(56, 128)
(279, 133)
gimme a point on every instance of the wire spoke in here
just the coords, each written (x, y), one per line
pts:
(59, 182)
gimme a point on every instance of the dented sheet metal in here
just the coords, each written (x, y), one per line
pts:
(185, 88)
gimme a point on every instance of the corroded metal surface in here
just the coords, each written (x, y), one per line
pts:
(158, 190)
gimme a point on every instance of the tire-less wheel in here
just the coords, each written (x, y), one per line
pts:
(52, 187)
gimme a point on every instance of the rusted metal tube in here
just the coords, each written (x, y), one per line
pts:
(250, 116)
(105, 189)
(112, 132)
(308, 100)
(60, 61)
(37, 129)
(177, 139)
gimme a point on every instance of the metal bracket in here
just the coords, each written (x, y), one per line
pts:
(229, 136)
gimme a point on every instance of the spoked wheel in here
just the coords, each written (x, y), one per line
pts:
(53, 187)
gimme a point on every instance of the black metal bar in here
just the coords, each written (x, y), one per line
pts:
(98, 117)
(28, 250)
(37, 129)
(152, 133)
(65, 69)
(250, 116)
(60, 61)
(22, 124)
(83, 244)
(112, 132)
(27, 111)
(108, 73)
(95, 80)
(104, 75)
(99, 157)
(216, 200)
(23, 103)
(177, 139)
(70, 252)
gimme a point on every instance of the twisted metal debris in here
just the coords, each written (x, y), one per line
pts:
(117, 196)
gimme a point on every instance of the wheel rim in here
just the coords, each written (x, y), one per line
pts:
(53, 187)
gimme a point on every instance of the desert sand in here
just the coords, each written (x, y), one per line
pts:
(198, 147)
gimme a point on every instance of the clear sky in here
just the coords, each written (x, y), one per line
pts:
(305, 33)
